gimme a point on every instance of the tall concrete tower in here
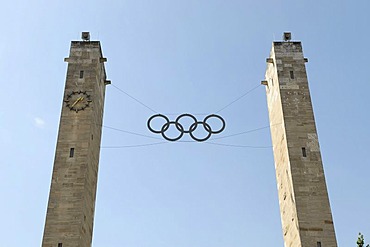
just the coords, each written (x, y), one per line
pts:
(303, 197)
(70, 212)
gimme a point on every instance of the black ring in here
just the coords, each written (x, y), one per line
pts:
(158, 131)
(185, 115)
(216, 116)
(166, 126)
(206, 127)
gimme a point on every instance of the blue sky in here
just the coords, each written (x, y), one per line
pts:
(176, 57)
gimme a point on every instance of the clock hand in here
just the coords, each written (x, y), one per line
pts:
(77, 100)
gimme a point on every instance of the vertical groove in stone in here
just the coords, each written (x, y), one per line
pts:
(304, 204)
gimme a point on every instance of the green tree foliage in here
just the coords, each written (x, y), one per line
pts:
(361, 241)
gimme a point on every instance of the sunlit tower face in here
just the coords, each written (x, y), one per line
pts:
(303, 197)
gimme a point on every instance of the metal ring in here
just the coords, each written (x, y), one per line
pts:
(220, 118)
(166, 126)
(185, 115)
(206, 127)
(158, 131)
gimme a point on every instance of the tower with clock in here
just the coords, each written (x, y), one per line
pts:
(70, 212)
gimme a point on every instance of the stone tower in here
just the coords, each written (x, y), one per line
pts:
(70, 212)
(304, 204)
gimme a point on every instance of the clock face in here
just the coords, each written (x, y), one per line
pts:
(78, 100)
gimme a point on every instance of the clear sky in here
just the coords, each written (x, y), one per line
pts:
(176, 57)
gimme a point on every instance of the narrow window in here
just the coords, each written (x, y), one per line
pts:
(304, 153)
(71, 152)
(291, 74)
(92, 137)
(81, 74)
(318, 244)
(60, 245)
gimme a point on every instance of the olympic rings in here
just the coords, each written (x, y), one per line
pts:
(190, 130)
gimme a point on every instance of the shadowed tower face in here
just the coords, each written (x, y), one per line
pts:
(70, 212)
(303, 198)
